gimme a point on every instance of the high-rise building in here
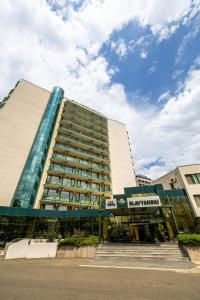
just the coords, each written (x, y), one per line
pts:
(58, 154)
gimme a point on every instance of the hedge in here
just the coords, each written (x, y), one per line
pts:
(79, 241)
(189, 239)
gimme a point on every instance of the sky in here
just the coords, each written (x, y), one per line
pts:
(136, 61)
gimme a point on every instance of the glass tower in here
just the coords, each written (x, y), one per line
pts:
(28, 184)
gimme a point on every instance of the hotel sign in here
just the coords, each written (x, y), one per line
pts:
(111, 203)
(150, 201)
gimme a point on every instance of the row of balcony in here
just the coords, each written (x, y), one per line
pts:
(98, 128)
(82, 162)
(81, 153)
(79, 122)
(83, 134)
(83, 144)
(77, 188)
(62, 200)
(92, 118)
(77, 174)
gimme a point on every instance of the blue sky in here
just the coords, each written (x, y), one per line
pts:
(159, 71)
(134, 61)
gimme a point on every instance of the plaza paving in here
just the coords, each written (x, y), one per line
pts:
(66, 279)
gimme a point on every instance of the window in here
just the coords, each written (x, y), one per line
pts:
(68, 181)
(56, 167)
(96, 186)
(197, 200)
(95, 198)
(80, 197)
(82, 184)
(50, 193)
(67, 195)
(106, 188)
(69, 169)
(193, 178)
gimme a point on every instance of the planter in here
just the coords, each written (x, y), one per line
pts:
(73, 251)
(193, 253)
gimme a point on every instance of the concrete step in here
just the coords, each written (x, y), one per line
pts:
(116, 258)
(137, 253)
(117, 253)
(2, 254)
(138, 250)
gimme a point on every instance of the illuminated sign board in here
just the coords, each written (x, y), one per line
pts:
(150, 201)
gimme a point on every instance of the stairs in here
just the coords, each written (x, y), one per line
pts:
(145, 256)
(146, 252)
(2, 254)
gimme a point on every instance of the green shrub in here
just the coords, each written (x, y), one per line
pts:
(189, 239)
(79, 241)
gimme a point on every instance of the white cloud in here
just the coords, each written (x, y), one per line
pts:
(153, 68)
(173, 133)
(120, 47)
(177, 73)
(62, 48)
(194, 31)
(143, 54)
(165, 96)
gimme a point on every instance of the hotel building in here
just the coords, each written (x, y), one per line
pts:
(63, 163)
(57, 154)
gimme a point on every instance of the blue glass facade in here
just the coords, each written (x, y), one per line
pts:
(29, 181)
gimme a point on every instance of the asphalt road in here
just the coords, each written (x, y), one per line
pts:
(49, 279)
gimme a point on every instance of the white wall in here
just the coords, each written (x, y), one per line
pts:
(179, 180)
(19, 121)
(31, 249)
(17, 250)
(191, 189)
(122, 170)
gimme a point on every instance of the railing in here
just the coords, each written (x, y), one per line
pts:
(75, 185)
(93, 119)
(79, 161)
(64, 200)
(100, 177)
(84, 134)
(82, 142)
(95, 131)
(84, 152)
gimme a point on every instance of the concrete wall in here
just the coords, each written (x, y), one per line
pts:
(31, 249)
(81, 252)
(17, 250)
(19, 121)
(166, 180)
(122, 171)
(42, 250)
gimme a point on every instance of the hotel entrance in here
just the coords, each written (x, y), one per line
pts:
(137, 228)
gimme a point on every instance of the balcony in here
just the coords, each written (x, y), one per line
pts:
(67, 116)
(82, 144)
(78, 176)
(92, 118)
(76, 188)
(81, 133)
(77, 152)
(88, 164)
(65, 201)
